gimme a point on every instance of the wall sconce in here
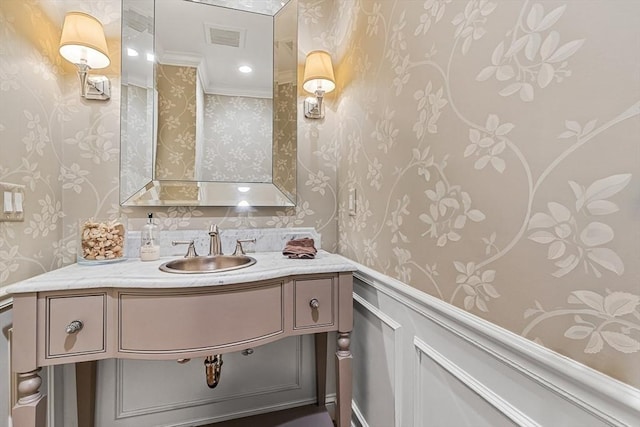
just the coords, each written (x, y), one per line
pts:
(318, 79)
(83, 43)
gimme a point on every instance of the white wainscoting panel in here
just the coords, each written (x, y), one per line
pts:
(449, 368)
(376, 379)
(445, 394)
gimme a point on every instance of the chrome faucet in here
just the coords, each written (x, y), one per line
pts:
(215, 246)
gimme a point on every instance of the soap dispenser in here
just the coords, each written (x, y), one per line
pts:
(149, 243)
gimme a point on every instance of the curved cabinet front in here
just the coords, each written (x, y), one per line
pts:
(187, 321)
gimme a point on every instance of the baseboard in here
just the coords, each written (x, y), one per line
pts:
(6, 302)
(357, 418)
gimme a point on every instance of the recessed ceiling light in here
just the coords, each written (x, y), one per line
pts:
(151, 57)
(244, 189)
(132, 52)
(245, 69)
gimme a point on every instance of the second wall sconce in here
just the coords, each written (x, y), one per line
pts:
(318, 79)
(83, 43)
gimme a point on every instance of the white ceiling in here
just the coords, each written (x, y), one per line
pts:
(181, 39)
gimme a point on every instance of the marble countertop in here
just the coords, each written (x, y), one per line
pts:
(133, 273)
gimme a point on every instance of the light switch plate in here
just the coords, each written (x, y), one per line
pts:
(352, 202)
(7, 202)
(18, 198)
(12, 202)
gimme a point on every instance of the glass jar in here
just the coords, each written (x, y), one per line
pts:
(100, 241)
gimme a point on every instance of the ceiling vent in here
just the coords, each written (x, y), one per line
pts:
(138, 21)
(232, 37)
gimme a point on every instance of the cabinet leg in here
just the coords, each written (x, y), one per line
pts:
(31, 408)
(321, 367)
(343, 380)
(86, 373)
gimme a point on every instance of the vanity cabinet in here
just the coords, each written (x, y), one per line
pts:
(61, 326)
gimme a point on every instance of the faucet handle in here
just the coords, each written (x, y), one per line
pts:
(191, 250)
(239, 249)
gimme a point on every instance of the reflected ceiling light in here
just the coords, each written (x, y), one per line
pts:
(243, 203)
(132, 52)
(245, 69)
(83, 43)
(244, 189)
(151, 57)
(318, 79)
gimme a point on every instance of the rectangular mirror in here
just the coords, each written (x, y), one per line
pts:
(198, 128)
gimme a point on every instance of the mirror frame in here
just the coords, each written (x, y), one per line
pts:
(148, 191)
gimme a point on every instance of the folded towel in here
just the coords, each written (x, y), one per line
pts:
(300, 248)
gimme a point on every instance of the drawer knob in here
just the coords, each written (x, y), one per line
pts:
(314, 303)
(74, 327)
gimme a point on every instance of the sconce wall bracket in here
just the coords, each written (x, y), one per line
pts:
(98, 88)
(314, 106)
(311, 109)
(93, 87)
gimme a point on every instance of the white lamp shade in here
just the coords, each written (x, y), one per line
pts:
(83, 41)
(318, 72)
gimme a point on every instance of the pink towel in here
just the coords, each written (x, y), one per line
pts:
(300, 248)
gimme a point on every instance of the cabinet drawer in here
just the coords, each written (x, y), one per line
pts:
(314, 303)
(89, 311)
(178, 322)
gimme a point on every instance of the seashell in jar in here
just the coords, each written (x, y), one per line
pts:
(101, 240)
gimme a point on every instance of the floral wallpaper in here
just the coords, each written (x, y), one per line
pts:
(493, 150)
(136, 152)
(32, 100)
(222, 138)
(176, 147)
(237, 139)
(284, 140)
(492, 146)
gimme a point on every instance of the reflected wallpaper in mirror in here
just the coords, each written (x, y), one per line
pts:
(194, 129)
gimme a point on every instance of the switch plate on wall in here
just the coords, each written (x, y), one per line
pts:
(12, 202)
(352, 202)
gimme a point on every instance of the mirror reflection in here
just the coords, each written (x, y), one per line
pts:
(208, 103)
